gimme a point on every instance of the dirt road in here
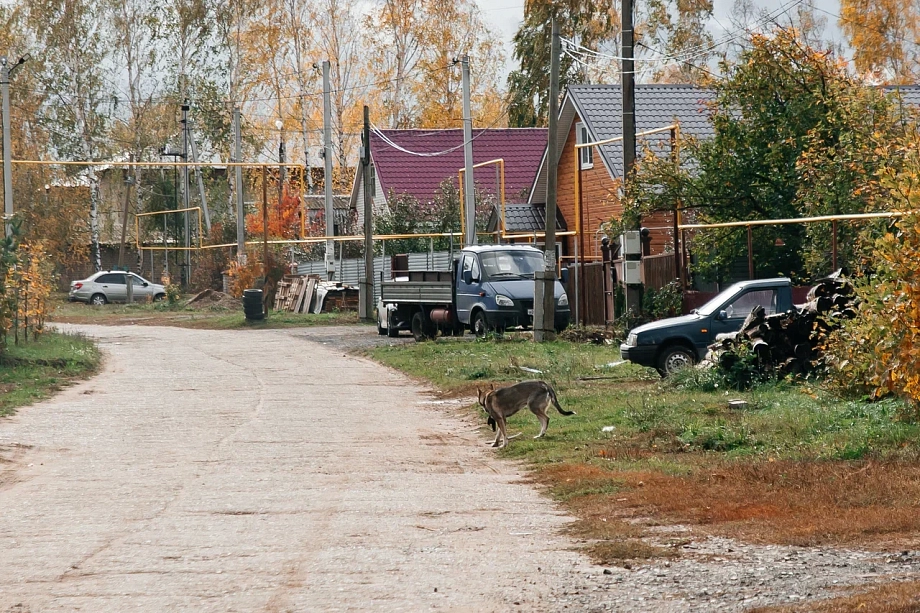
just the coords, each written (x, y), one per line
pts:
(267, 471)
(234, 471)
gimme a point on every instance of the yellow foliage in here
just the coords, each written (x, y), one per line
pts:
(881, 346)
(28, 285)
(243, 276)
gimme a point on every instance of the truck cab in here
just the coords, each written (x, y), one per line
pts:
(670, 344)
(495, 288)
(489, 288)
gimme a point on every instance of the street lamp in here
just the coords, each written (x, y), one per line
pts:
(6, 72)
(280, 126)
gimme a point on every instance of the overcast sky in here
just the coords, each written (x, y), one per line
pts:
(505, 16)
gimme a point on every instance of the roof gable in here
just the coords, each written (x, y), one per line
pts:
(600, 107)
(401, 171)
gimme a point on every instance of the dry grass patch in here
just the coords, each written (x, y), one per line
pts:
(888, 598)
(796, 503)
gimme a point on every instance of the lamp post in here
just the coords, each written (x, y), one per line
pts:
(6, 71)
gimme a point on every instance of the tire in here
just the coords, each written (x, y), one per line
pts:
(98, 299)
(422, 328)
(675, 358)
(254, 314)
(381, 331)
(392, 329)
(479, 325)
(159, 297)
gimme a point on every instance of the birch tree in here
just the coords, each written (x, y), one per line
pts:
(74, 48)
(884, 36)
(339, 36)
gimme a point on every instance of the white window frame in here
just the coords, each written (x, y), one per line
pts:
(586, 155)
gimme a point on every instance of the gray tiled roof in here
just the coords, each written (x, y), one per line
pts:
(657, 105)
(525, 218)
(601, 108)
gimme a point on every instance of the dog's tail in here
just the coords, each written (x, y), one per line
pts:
(552, 396)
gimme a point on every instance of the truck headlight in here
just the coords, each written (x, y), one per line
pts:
(563, 300)
(503, 301)
(632, 340)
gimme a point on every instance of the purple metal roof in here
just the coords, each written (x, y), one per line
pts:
(420, 176)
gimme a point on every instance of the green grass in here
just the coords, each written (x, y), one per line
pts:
(645, 416)
(35, 370)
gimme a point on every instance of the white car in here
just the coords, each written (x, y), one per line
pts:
(112, 286)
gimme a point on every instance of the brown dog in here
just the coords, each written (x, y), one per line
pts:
(503, 403)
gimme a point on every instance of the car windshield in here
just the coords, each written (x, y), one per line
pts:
(497, 265)
(715, 302)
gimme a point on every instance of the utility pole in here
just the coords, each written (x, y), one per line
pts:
(204, 201)
(6, 71)
(129, 181)
(240, 213)
(544, 328)
(367, 305)
(327, 177)
(469, 204)
(628, 84)
(186, 273)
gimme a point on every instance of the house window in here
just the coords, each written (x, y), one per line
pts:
(586, 155)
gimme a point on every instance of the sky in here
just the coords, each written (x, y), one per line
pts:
(505, 16)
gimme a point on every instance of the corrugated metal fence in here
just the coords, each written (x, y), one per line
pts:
(350, 271)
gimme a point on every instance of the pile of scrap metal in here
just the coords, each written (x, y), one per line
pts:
(787, 343)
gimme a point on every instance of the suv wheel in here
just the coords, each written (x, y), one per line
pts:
(674, 358)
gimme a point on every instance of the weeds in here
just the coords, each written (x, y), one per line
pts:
(795, 466)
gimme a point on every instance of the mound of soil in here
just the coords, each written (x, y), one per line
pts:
(214, 300)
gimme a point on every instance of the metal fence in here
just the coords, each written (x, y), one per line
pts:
(351, 271)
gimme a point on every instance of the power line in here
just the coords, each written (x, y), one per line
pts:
(430, 154)
(689, 54)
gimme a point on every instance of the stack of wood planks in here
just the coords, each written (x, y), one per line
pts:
(295, 293)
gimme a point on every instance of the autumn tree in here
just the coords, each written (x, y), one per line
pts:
(672, 44)
(587, 21)
(136, 33)
(339, 41)
(877, 352)
(675, 32)
(396, 30)
(884, 36)
(74, 52)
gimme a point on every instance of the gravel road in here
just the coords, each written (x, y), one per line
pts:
(271, 471)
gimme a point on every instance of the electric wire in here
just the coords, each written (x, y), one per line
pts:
(428, 154)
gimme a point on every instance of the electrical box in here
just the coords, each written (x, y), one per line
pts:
(631, 272)
(631, 243)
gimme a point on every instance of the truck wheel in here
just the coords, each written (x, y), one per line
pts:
(479, 325)
(381, 331)
(392, 328)
(675, 358)
(422, 328)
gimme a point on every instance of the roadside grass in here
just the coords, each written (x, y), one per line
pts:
(185, 316)
(32, 371)
(795, 466)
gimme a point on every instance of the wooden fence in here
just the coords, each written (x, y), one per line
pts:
(595, 285)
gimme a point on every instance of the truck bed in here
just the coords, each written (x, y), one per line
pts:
(419, 287)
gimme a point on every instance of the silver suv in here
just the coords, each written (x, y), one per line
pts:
(112, 286)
